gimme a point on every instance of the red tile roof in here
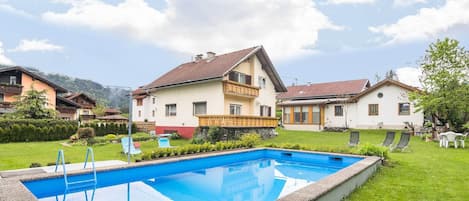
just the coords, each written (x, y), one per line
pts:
(327, 89)
(201, 70)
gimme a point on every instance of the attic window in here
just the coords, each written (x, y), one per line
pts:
(380, 95)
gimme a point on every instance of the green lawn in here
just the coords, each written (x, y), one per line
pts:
(423, 172)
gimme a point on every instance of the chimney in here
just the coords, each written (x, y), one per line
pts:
(210, 55)
(198, 57)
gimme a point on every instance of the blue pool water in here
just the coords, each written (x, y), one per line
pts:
(261, 175)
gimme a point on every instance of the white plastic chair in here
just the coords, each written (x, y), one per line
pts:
(442, 137)
(450, 137)
(462, 138)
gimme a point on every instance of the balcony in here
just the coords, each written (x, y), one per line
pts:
(238, 89)
(237, 121)
(10, 89)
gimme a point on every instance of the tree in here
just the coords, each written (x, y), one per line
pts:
(32, 105)
(391, 74)
(99, 110)
(445, 82)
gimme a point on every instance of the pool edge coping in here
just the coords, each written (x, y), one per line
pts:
(13, 189)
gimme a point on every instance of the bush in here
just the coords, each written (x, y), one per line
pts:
(251, 139)
(24, 130)
(110, 137)
(215, 134)
(85, 133)
(373, 150)
(175, 136)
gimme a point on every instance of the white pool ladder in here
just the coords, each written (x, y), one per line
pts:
(61, 160)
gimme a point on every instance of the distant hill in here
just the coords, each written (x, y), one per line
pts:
(109, 96)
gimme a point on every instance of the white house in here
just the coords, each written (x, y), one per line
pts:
(236, 89)
(349, 104)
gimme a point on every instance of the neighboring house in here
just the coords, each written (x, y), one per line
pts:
(233, 90)
(86, 103)
(16, 81)
(111, 111)
(113, 115)
(67, 109)
(349, 104)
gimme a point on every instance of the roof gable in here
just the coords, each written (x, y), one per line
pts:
(382, 83)
(215, 68)
(326, 90)
(57, 88)
(75, 96)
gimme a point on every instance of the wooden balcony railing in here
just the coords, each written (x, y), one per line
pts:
(238, 89)
(237, 121)
(10, 89)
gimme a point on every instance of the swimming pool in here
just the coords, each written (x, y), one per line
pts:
(262, 174)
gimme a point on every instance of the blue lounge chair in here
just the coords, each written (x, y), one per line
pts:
(125, 145)
(163, 142)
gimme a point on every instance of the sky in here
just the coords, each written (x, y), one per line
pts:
(133, 42)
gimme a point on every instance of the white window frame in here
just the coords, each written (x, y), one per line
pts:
(194, 104)
(170, 110)
(13, 80)
(235, 109)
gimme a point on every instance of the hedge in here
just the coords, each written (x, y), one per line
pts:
(102, 129)
(25, 130)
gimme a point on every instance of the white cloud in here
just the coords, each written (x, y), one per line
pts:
(409, 76)
(36, 45)
(4, 59)
(285, 28)
(10, 9)
(350, 1)
(408, 2)
(428, 23)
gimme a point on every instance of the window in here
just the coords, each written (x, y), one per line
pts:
(153, 113)
(373, 110)
(265, 111)
(12, 79)
(239, 77)
(297, 114)
(139, 113)
(286, 115)
(316, 114)
(235, 109)
(304, 114)
(261, 82)
(86, 112)
(404, 108)
(199, 108)
(2, 98)
(171, 110)
(338, 110)
(153, 100)
(139, 102)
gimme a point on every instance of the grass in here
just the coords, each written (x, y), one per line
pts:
(424, 172)
(21, 155)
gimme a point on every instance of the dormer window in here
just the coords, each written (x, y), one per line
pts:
(239, 77)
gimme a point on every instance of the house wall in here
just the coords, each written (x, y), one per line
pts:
(28, 82)
(146, 109)
(251, 106)
(388, 109)
(347, 120)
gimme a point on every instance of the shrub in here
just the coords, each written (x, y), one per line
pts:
(251, 139)
(146, 156)
(215, 134)
(373, 150)
(175, 136)
(110, 137)
(22, 130)
(74, 138)
(197, 141)
(85, 133)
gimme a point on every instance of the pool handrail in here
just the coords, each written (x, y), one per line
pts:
(61, 159)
